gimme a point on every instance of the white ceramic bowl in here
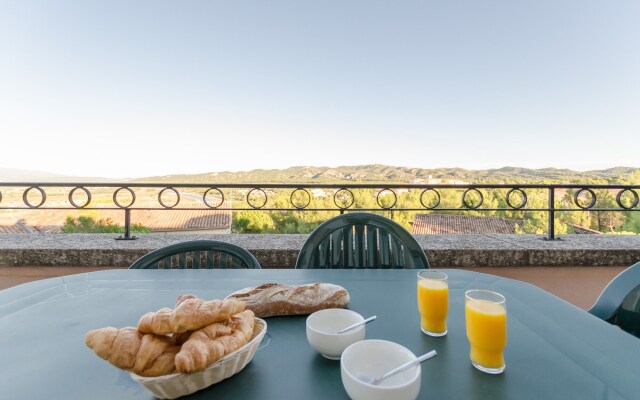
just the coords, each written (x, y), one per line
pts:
(322, 328)
(374, 358)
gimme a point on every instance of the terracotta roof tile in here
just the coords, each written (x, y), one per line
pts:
(51, 221)
(431, 224)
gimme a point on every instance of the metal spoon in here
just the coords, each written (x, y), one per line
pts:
(376, 381)
(357, 324)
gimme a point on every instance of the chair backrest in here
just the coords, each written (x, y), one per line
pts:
(619, 302)
(198, 254)
(361, 240)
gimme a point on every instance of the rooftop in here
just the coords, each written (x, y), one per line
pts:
(51, 221)
(429, 224)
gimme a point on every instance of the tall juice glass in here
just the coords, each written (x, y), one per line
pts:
(486, 319)
(433, 302)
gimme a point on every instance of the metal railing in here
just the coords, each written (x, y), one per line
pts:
(169, 196)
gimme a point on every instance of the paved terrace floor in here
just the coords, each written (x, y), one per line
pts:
(577, 285)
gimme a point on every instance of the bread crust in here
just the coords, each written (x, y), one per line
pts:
(273, 299)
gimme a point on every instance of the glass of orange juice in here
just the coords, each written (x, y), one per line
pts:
(433, 302)
(486, 319)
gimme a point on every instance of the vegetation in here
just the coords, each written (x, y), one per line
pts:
(533, 221)
(88, 224)
(383, 173)
(293, 221)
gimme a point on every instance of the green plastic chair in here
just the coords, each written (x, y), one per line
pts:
(198, 254)
(619, 302)
(361, 240)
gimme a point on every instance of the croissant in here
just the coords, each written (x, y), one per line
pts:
(209, 344)
(191, 313)
(128, 349)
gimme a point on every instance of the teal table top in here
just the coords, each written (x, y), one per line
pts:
(555, 350)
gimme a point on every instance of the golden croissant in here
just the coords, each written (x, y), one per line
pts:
(128, 349)
(209, 344)
(191, 313)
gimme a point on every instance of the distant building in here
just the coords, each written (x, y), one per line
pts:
(318, 193)
(436, 181)
(433, 224)
(584, 231)
(204, 220)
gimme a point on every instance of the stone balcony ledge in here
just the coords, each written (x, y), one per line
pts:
(281, 251)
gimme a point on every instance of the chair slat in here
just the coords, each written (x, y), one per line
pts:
(196, 263)
(182, 260)
(396, 257)
(385, 250)
(371, 240)
(235, 262)
(225, 261)
(336, 255)
(321, 256)
(349, 253)
(360, 240)
(400, 255)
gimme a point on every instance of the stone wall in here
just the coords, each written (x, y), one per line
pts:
(281, 251)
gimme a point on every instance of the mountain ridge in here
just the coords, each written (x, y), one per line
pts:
(369, 173)
(379, 173)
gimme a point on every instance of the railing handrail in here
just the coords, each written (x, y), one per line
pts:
(222, 205)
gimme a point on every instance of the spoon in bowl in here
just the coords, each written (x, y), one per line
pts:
(403, 367)
(357, 324)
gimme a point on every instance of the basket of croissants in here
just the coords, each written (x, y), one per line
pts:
(176, 352)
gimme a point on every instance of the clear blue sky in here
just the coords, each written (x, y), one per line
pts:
(140, 88)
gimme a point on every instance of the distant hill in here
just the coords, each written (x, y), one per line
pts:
(377, 173)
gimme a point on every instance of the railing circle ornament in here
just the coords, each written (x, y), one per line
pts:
(86, 192)
(591, 203)
(344, 192)
(0, 196)
(172, 190)
(380, 193)
(464, 198)
(257, 190)
(300, 190)
(25, 196)
(437, 198)
(115, 197)
(204, 197)
(633, 205)
(522, 193)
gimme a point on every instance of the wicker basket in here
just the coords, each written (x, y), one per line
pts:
(176, 385)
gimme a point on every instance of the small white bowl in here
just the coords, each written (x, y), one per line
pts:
(322, 328)
(373, 358)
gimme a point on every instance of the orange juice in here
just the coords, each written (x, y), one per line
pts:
(487, 333)
(433, 303)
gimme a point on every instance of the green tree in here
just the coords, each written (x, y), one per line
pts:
(88, 224)
(607, 221)
(252, 222)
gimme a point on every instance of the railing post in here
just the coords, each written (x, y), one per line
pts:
(552, 214)
(127, 226)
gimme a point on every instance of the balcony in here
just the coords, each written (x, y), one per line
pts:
(574, 267)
